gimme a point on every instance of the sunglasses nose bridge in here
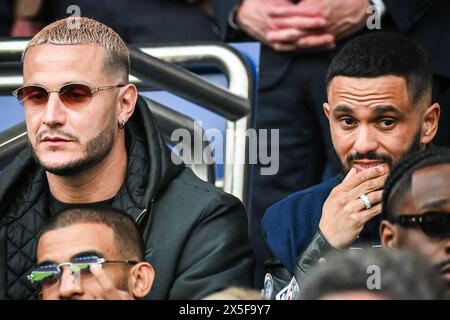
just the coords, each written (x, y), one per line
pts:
(72, 277)
(70, 266)
(53, 109)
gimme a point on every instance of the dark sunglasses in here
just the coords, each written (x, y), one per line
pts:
(433, 224)
(72, 95)
(47, 276)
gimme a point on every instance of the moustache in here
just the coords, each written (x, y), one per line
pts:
(368, 156)
(439, 266)
(58, 133)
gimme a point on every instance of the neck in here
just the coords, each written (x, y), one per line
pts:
(101, 182)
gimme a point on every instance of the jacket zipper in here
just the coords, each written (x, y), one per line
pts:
(140, 215)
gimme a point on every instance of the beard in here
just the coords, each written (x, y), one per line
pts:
(388, 159)
(95, 152)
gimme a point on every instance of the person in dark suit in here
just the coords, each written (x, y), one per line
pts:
(157, 21)
(6, 9)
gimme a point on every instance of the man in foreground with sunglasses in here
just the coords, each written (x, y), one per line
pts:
(416, 208)
(91, 253)
(93, 141)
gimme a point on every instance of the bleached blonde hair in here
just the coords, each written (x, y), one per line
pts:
(86, 31)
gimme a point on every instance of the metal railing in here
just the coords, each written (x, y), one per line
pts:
(161, 67)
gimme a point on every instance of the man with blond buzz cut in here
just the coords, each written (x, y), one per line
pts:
(93, 141)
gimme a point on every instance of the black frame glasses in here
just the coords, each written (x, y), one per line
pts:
(73, 95)
(434, 224)
(47, 276)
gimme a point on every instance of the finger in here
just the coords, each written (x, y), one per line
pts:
(372, 212)
(314, 41)
(350, 174)
(370, 186)
(109, 291)
(300, 22)
(284, 35)
(362, 177)
(374, 198)
(290, 10)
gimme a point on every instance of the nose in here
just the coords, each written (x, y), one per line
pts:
(365, 140)
(54, 114)
(70, 285)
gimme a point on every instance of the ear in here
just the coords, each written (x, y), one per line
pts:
(388, 234)
(141, 279)
(326, 109)
(430, 123)
(127, 101)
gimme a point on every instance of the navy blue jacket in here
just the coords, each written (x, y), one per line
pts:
(289, 225)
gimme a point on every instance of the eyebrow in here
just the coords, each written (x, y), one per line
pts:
(342, 109)
(86, 253)
(380, 110)
(436, 203)
(46, 263)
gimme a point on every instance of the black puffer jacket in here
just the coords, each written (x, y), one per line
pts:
(195, 234)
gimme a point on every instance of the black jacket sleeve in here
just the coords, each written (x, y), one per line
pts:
(209, 264)
(287, 286)
(222, 9)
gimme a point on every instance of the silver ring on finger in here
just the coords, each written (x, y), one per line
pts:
(366, 201)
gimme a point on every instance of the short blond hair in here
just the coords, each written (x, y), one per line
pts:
(83, 30)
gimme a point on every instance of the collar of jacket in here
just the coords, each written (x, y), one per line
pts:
(150, 169)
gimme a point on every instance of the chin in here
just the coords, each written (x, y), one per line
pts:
(53, 162)
(64, 167)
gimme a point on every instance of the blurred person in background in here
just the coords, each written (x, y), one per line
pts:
(374, 274)
(235, 293)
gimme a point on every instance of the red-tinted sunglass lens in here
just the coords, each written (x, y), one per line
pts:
(32, 95)
(75, 94)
